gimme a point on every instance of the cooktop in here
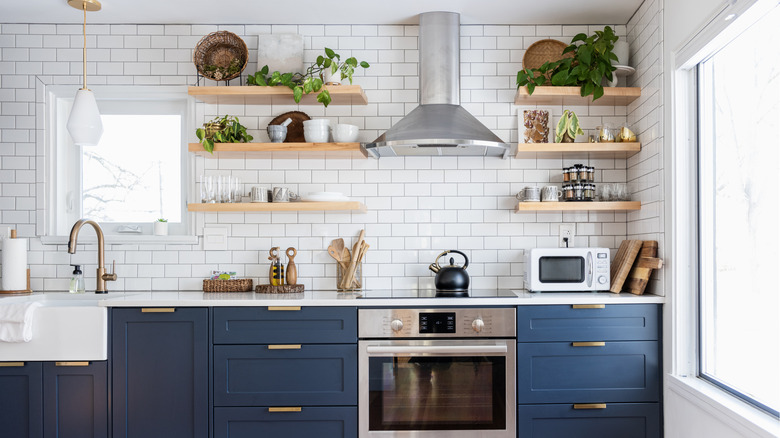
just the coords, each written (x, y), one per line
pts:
(433, 293)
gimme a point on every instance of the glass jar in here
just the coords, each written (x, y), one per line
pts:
(591, 171)
(568, 192)
(582, 173)
(579, 192)
(574, 172)
(566, 176)
(589, 192)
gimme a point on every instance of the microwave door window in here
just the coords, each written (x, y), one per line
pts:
(561, 269)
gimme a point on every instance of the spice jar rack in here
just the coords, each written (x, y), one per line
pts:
(578, 183)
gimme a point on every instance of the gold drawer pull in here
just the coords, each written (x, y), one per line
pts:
(71, 364)
(158, 310)
(588, 344)
(590, 406)
(11, 364)
(272, 308)
(285, 409)
(285, 347)
(588, 306)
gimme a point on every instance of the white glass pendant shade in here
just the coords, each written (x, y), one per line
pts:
(84, 123)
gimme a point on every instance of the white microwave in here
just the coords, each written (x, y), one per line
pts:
(567, 269)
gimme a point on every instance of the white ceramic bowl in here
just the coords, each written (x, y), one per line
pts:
(316, 122)
(316, 137)
(344, 133)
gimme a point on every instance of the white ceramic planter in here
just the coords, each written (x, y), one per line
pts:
(161, 228)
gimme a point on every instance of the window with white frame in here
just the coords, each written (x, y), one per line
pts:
(134, 176)
(739, 151)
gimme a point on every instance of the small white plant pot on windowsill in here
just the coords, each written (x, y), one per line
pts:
(160, 228)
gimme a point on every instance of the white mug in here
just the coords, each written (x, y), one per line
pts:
(551, 194)
(259, 194)
(283, 194)
(531, 194)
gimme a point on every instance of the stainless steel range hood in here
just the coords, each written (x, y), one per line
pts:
(439, 126)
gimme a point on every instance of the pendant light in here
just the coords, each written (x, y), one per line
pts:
(84, 123)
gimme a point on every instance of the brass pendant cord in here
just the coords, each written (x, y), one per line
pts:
(84, 7)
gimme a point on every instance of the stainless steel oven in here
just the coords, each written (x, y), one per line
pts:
(437, 372)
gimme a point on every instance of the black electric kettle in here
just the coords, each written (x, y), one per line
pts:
(452, 277)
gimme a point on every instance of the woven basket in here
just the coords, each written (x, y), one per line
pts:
(544, 51)
(220, 49)
(242, 285)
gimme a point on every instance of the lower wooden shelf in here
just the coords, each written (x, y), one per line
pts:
(578, 206)
(279, 206)
(600, 150)
(261, 150)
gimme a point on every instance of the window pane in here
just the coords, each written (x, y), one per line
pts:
(740, 119)
(134, 174)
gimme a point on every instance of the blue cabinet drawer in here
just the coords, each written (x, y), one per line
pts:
(273, 325)
(562, 372)
(75, 400)
(619, 420)
(260, 375)
(608, 322)
(21, 399)
(330, 422)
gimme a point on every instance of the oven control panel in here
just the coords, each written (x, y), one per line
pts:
(436, 323)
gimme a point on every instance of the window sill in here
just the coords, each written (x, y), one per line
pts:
(124, 239)
(722, 405)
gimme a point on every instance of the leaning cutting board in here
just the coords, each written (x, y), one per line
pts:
(643, 267)
(621, 265)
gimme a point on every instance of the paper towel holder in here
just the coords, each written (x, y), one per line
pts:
(18, 292)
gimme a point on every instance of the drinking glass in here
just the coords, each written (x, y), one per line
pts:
(223, 188)
(207, 194)
(236, 189)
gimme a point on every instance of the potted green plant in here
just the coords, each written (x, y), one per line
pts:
(568, 128)
(225, 129)
(591, 64)
(161, 227)
(312, 80)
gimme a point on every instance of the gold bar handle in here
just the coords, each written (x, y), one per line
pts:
(588, 344)
(158, 310)
(71, 364)
(285, 409)
(588, 306)
(285, 347)
(272, 308)
(11, 364)
(590, 406)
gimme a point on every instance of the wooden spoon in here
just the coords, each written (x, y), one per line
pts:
(335, 254)
(338, 244)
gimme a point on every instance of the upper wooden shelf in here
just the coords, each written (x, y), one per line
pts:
(279, 206)
(548, 95)
(251, 94)
(578, 206)
(600, 150)
(261, 150)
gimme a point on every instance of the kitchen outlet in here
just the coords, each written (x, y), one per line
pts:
(565, 231)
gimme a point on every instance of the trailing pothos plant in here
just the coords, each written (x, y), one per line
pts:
(592, 62)
(311, 80)
(222, 130)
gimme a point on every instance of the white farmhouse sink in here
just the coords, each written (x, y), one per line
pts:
(66, 327)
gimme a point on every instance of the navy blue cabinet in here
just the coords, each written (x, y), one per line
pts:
(605, 322)
(613, 420)
(160, 369)
(21, 399)
(282, 325)
(75, 399)
(331, 422)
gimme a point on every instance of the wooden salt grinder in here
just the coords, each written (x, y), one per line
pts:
(292, 271)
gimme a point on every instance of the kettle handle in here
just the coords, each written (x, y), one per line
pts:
(466, 265)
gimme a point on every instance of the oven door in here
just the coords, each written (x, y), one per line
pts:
(437, 388)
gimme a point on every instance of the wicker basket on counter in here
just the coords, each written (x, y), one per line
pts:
(240, 285)
(220, 49)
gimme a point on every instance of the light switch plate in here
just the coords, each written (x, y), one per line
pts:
(215, 238)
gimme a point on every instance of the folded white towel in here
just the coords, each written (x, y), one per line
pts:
(16, 321)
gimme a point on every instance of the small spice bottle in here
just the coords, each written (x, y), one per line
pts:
(589, 192)
(568, 192)
(591, 171)
(566, 174)
(579, 192)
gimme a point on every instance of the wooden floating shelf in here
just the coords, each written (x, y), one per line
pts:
(548, 95)
(615, 150)
(250, 150)
(578, 206)
(279, 95)
(278, 206)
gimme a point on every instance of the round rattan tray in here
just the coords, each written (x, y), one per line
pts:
(220, 49)
(544, 51)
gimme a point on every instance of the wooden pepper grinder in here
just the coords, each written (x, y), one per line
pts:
(292, 271)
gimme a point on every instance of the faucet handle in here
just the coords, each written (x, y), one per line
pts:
(112, 275)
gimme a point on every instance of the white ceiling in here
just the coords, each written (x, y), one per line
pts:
(322, 11)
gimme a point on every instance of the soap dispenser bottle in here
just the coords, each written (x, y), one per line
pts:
(77, 281)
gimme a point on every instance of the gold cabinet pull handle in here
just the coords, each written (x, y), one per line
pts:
(272, 308)
(590, 406)
(285, 409)
(158, 310)
(588, 344)
(285, 347)
(588, 306)
(71, 364)
(11, 364)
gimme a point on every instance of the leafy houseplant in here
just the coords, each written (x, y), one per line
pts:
(310, 81)
(222, 130)
(568, 128)
(592, 62)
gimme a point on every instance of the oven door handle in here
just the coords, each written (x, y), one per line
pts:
(412, 350)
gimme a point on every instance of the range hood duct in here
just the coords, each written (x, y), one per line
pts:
(439, 126)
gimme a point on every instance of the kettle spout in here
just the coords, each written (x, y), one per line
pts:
(433, 267)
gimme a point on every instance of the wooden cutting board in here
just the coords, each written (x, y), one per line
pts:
(643, 267)
(621, 265)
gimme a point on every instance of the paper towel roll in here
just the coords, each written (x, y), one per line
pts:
(14, 264)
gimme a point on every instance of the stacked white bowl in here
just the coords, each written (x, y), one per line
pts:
(316, 130)
(343, 133)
